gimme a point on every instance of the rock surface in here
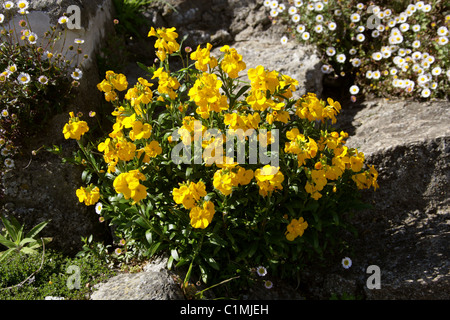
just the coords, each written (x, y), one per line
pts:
(406, 233)
(155, 282)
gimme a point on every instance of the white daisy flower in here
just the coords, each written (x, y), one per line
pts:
(340, 58)
(377, 56)
(268, 284)
(22, 5)
(332, 26)
(346, 262)
(360, 6)
(326, 69)
(319, 18)
(77, 74)
(393, 71)
(426, 92)
(98, 207)
(355, 17)
(331, 51)
(426, 8)
(32, 38)
(356, 62)
(43, 79)
(443, 41)
(24, 78)
(376, 75)
(369, 74)
(2, 18)
(352, 51)
(318, 28)
(360, 37)
(416, 28)
(305, 35)
(295, 18)
(8, 5)
(404, 27)
(361, 29)
(63, 20)
(273, 13)
(9, 163)
(436, 71)
(298, 3)
(292, 10)
(300, 28)
(5, 113)
(318, 6)
(442, 31)
(416, 44)
(261, 271)
(281, 7)
(78, 41)
(284, 40)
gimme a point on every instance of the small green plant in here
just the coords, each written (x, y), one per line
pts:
(17, 241)
(51, 282)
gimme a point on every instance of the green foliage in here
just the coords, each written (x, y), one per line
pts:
(17, 241)
(52, 279)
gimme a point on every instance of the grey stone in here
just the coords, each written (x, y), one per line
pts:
(155, 282)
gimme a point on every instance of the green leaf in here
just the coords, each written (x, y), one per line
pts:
(5, 254)
(28, 251)
(11, 227)
(174, 254)
(7, 243)
(35, 230)
(169, 262)
(212, 263)
(149, 236)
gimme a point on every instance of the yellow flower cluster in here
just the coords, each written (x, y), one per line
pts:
(111, 83)
(229, 176)
(128, 183)
(166, 83)
(203, 59)
(207, 96)
(232, 62)
(269, 179)
(89, 195)
(190, 196)
(75, 128)
(166, 42)
(311, 108)
(296, 228)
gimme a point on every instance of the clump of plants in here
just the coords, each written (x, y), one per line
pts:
(29, 271)
(388, 49)
(36, 73)
(222, 173)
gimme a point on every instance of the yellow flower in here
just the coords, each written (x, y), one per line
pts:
(232, 62)
(128, 183)
(75, 128)
(207, 96)
(153, 149)
(296, 229)
(89, 195)
(269, 179)
(166, 42)
(188, 194)
(202, 216)
(203, 58)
